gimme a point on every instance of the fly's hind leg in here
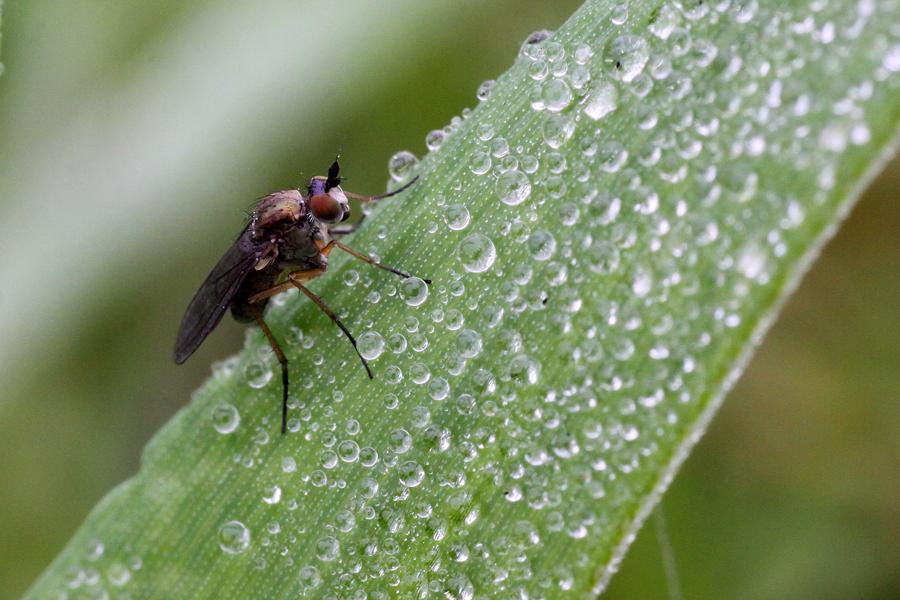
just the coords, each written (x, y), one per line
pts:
(277, 289)
(281, 359)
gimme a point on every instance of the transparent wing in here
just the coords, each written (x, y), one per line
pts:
(215, 295)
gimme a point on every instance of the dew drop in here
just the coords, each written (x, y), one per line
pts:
(484, 90)
(541, 245)
(348, 451)
(602, 99)
(556, 95)
(513, 187)
(411, 473)
(468, 342)
(257, 374)
(226, 418)
(480, 163)
(272, 494)
(438, 389)
(414, 291)
(477, 253)
(456, 216)
(402, 165)
(399, 441)
(419, 373)
(628, 54)
(557, 129)
(234, 537)
(327, 548)
(434, 139)
(309, 577)
(370, 344)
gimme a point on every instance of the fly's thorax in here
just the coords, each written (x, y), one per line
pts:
(300, 247)
(277, 211)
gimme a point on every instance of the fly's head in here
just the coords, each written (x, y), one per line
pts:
(326, 200)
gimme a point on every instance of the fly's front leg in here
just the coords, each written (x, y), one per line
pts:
(372, 261)
(297, 279)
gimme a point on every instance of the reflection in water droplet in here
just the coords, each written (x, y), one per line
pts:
(456, 216)
(402, 165)
(602, 99)
(513, 187)
(272, 494)
(477, 253)
(309, 577)
(257, 374)
(370, 345)
(234, 537)
(226, 418)
(541, 245)
(327, 548)
(414, 291)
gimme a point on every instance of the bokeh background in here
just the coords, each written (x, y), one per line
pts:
(134, 134)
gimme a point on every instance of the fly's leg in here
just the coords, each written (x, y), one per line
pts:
(372, 261)
(348, 229)
(297, 279)
(281, 359)
(272, 342)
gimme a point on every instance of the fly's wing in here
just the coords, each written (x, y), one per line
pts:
(216, 294)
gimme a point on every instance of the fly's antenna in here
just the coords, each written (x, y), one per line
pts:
(380, 196)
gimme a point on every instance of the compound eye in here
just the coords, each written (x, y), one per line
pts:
(325, 208)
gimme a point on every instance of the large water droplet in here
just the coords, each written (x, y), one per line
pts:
(234, 537)
(541, 245)
(411, 473)
(370, 344)
(627, 54)
(602, 99)
(402, 165)
(327, 548)
(556, 95)
(309, 577)
(468, 342)
(513, 187)
(414, 291)
(477, 253)
(456, 216)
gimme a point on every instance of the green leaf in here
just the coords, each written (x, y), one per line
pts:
(609, 234)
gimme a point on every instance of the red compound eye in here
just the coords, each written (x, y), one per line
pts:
(325, 208)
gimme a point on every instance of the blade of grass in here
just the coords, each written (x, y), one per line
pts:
(610, 233)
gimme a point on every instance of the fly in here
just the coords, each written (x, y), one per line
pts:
(288, 232)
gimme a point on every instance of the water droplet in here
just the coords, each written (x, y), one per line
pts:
(411, 473)
(309, 577)
(434, 139)
(480, 163)
(234, 537)
(226, 418)
(327, 548)
(393, 375)
(602, 99)
(370, 344)
(531, 46)
(618, 15)
(348, 451)
(414, 291)
(557, 129)
(272, 494)
(288, 464)
(513, 187)
(468, 342)
(524, 369)
(627, 55)
(477, 253)
(399, 441)
(456, 216)
(257, 374)
(402, 165)
(438, 389)
(419, 373)
(484, 90)
(556, 95)
(541, 245)
(345, 521)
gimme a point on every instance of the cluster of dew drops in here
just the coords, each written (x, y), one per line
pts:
(574, 87)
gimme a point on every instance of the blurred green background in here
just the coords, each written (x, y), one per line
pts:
(133, 135)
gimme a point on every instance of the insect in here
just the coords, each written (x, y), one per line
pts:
(287, 233)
